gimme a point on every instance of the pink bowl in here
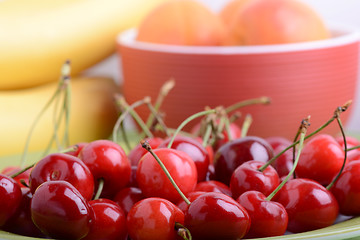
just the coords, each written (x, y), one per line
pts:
(310, 78)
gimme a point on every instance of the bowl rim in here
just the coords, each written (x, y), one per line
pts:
(341, 35)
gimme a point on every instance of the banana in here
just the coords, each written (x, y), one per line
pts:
(93, 113)
(38, 36)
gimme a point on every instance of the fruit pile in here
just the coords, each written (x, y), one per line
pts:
(213, 182)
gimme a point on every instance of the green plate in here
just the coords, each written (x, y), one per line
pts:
(344, 229)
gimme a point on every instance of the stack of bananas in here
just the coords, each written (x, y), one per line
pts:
(36, 38)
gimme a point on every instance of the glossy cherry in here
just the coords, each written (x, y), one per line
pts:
(216, 216)
(60, 211)
(108, 221)
(309, 205)
(127, 197)
(152, 180)
(247, 177)
(138, 151)
(213, 186)
(233, 154)
(10, 198)
(61, 166)
(194, 149)
(321, 159)
(268, 218)
(154, 219)
(108, 161)
(346, 189)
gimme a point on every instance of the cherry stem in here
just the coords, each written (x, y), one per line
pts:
(182, 231)
(246, 125)
(206, 135)
(261, 100)
(338, 109)
(100, 189)
(165, 89)
(304, 125)
(23, 182)
(345, 152)
(157, 117)
(146, 145)
(353, 148)
(186, 121)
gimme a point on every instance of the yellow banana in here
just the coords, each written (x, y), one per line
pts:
(93, 114)
(38, 36)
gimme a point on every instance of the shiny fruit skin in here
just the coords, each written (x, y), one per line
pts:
(309, 205)
(216, 216)
(154, 183)
(61, 166)
(60, 211)
(321, 159)
(232, 154)
(10, 198)
(153, 219)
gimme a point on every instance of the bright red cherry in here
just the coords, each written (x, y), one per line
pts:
(247, 177)
(108, 221)
(8, 171)
(194, 149)
(346, 189)
(154, 219)
(321, 159)
(108, 161)
(234, 153)
(152, 180)
(60, 211)
(10, 198)
(216, 216)
(309, 205)
(138, 151)
(268, 218)
(127, 197)
(61, 166)
(213, 186)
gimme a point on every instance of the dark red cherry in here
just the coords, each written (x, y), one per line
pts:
(10, 198)
(60, 211)
(138, 151)
(127, 197)
(234, 153)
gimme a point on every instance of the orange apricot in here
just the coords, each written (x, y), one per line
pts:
(260, 22)
(182, 22)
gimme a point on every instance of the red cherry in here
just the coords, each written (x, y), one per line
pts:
(152, 180)
(247, 177)
(191, 196)
(213, 186)
(108, 161)
(321, 159)
(61, 166)
(60, 211)
(154, 219)
(8, 171)
(194, 149)
(108, 221)
(309, 205)
(284, 163)
(268, 218)
(138, 151)
(346, 189)
(127, 197)
(234, 153)
(216, 216)
(78, 148)
(10, 198)
(277, 141)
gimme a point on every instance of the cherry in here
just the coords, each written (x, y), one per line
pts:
(268, 218)
(10, 198)
(108, 221)
(78, 147)
(346, 189)
(154, 218)
(191, 196)
(284, 163)
(247, 177)
(24, 176)
(216, 216)
(138, 151)
(108, 161)
(194, 149)
(154, 182)
(61, 166)
(60, 211)
(213, 186)
(233, 154)
(127, 197)
(321, 159)
(309, 205)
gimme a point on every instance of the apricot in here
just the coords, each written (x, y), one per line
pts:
(182, 22)
(260, 22)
